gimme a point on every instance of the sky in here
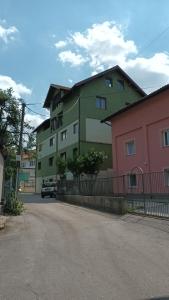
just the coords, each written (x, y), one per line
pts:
(63, 42)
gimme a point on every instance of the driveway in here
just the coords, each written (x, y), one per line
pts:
(57, 251)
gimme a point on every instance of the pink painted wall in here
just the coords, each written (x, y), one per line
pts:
(143, 123)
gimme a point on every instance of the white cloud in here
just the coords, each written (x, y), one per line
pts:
(104, 45)
(7, 34)
(34, 120)
(60, 44)
(18, 88)
(71, 57)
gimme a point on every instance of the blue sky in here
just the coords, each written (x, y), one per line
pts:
(62, 42)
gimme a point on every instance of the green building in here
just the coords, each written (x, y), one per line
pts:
(74, 125)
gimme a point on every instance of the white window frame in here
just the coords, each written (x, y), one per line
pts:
(51, 144)
(75, 128)
(126, 147)
(63, 135)
(101, 102)
(166, 131)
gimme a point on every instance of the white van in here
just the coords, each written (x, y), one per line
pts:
(49, 189)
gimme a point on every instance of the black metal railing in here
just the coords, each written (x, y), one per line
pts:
(146, 193)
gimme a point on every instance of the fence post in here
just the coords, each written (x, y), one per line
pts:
(124, 188)
(143, 193)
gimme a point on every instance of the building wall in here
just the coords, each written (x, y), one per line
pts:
(145, 124)
(93, 134)
(1, 173)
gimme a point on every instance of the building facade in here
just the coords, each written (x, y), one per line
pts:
(140, 138)
(74, 125)
(27, 172)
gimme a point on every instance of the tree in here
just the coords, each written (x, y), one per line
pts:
(76, 165)
(10, 120)
(89, 163)
(61, 165)
(93, 161)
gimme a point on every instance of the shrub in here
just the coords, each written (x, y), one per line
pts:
(13, 206)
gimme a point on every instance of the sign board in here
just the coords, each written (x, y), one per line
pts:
(18, 157)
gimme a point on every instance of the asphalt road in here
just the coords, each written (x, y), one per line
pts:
(56, 251)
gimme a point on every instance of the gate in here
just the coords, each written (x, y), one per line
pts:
(150, 195)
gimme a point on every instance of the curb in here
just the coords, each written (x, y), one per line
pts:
(2, 222)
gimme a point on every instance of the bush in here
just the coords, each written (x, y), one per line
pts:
(13, 206)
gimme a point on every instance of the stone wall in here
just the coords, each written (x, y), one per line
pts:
(116, 205)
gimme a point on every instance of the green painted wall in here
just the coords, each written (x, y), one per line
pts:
(116, 99)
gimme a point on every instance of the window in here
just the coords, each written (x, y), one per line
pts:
(51, 161)
(53, 124)
(63, 135)
(130, 148)
(51, 142)
(60, 120)
(75, 152)
(166, 176)
(32, 163)
(75, 128)
(166, 137)
(63, 155)
(101, 102)
(40, 147)
(108, 82)
(132, 180)
(120, 84)
(39, 165)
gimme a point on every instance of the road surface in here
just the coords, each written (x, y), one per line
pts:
(57, 251)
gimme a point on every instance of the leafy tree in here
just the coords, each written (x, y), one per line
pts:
(10, 120)
(89, 163)
(61, 165)
(76, 165)
(93, 161)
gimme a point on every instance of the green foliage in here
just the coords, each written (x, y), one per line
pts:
(93, 161)
(76, 165)
(61, 165)
(13, 206)
(89, 163)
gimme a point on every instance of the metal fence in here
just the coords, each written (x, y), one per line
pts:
(146, 193)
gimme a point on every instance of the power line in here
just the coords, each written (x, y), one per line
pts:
(35, 112)
(153, 40)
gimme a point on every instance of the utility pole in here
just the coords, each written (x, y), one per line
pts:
(20, 145)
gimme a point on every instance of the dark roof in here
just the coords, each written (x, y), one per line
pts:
(52, 88)
(115, 68)
(44, 124)
(160, 90)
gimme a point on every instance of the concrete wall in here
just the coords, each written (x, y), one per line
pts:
(116, 205)
(1, 173)
(97, 131)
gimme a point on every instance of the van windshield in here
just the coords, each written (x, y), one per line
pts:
(49, 184)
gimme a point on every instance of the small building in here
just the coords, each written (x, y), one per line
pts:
(1, 173)
(27, 171)
(140, 140)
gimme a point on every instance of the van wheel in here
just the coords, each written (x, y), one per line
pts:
(42, 196)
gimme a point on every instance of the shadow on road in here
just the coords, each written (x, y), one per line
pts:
(34, 198)
(159, 298)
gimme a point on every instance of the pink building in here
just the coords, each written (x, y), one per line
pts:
(140, 138)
